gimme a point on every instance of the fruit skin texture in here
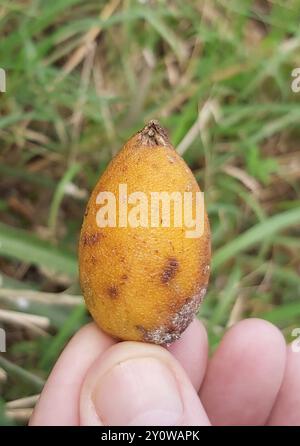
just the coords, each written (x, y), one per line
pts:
(144, 283)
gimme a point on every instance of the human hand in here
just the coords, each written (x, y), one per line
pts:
(251, 379)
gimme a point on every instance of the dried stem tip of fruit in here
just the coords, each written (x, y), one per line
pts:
(153, 134)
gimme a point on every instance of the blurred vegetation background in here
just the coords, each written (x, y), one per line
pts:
(82, 76)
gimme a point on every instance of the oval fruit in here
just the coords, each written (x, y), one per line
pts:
(142, 281)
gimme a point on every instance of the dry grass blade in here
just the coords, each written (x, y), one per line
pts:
(210, 109)
(243, 177)
(22, 403)
(36, 324)
(290, 166)
(105, 109)
(77, 117)
(39, 321)
(146, 75)
(19, 414)
(88, 39)
(24, 376)
(3, 375)
(237, 311)
(21, 296)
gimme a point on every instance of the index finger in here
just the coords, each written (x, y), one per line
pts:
(58, 404)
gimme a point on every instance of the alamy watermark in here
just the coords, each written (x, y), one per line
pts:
(2, 80)
(152, 210)
(2, 340)
(296, 343)
(295, 86)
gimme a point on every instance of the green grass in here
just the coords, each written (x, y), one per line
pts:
(225, 64)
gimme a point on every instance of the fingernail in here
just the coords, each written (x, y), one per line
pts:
(137, 392)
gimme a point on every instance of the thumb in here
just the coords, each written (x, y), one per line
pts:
(135, 384)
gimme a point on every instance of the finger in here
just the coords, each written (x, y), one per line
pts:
(286, 411)
(245, 374)
(59, 401)
(191, 351)
(139, 384)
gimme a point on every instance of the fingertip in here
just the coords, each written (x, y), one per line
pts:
(139, 384)
(59, 400)
(191, 350)
(251, 327)
(245, 374)
(286, 410)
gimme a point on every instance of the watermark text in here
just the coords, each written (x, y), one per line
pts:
(295, 86)
(2, 340)
(154, 209)
(2, 81)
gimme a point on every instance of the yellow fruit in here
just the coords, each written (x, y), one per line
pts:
(143, 283)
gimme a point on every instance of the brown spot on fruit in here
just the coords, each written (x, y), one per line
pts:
(171, 159)
(124, 277)
(189, 186)
(93, 260)
(206, 269)
(91, 239)
(170, 270)
(113, 292)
